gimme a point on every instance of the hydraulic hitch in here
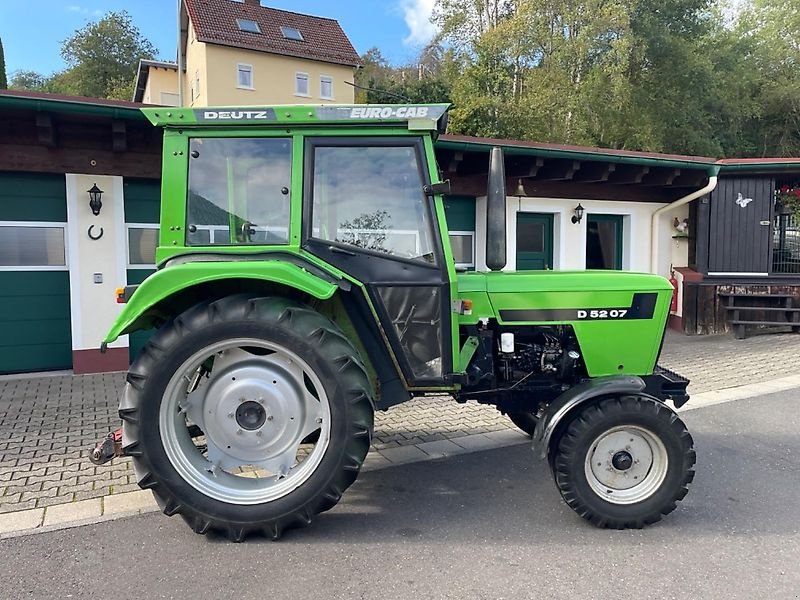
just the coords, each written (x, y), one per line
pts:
(108, 448)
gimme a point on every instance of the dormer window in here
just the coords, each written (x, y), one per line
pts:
(248, 26)
(291, 33)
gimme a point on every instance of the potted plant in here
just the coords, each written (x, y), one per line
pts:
(788, 198)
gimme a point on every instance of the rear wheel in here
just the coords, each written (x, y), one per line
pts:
(525, 420)
(624, 462)
(247, 415)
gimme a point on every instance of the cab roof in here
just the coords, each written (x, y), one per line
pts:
(415, 116)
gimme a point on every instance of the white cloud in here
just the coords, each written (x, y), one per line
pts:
(82, 10)
(417, 15)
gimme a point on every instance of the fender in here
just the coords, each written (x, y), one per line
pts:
(174, 278)
(574, 397)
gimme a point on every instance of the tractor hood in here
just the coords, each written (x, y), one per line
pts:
(526, 282)
(618, 317)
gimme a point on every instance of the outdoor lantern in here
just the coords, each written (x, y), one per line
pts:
(95, 194)
(577, 215)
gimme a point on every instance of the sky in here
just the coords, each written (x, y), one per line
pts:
(31, 30)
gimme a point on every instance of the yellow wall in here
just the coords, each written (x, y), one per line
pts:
(160, 80)
(273, 78)
(196, 71)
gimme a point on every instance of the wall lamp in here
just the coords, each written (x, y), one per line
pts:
(95, 202)
(577, 214)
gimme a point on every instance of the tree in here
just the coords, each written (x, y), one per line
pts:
(3, 77)
(29, 80)
(102, 58)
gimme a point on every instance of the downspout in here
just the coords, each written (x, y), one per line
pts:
(713, 174)
(180, 56)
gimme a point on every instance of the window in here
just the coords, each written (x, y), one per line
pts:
(142, 242)
(244, 76)
(239, 191)
(290, 33)
(301, 84)
(349, 180)
(463, 245)
(248, 26)
(32, 246)
(326, 87)
(604, 242)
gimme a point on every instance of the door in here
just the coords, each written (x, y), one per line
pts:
(365, 213)
(34, 278)
(534, 241)
(740, 226)
(604, 242)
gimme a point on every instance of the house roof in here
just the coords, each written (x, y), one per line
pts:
(461, 142)
(324, 40)
(41, 101)
(143, 73)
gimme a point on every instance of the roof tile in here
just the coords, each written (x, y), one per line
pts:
(215, 23)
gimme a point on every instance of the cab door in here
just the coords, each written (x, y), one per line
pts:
(365, 212)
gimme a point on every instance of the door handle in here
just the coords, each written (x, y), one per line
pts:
(337, 250)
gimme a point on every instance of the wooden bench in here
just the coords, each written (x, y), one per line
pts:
(777, 310)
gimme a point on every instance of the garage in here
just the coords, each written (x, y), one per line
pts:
(34, 274)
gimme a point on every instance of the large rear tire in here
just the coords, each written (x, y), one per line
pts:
(525, 420)
(280, 400)
(624, 462)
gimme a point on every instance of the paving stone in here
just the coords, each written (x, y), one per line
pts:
(21, 520)
(74, 511)
(441, 448)
(135, 501)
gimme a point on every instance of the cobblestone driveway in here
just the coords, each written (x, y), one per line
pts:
(47, 424)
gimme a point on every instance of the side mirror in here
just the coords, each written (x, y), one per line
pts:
(437, 189)
(496, 212)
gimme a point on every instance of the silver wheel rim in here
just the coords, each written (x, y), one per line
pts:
(626, 464)
(256, 406)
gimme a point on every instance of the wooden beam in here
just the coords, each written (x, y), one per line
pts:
(558, 170)
(119, 136)
(597, 172)
(45, 131)
(691, 179)
(38, 159)
(661, 177)
(523, 166)
(629, 174)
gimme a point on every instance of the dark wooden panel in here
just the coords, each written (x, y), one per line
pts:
(738, 242)
(38, 159)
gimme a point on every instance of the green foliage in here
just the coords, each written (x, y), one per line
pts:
(3, 76)
(101, 58)
(684, 76)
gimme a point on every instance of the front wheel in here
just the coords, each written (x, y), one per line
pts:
(247, 415)
(624, 462)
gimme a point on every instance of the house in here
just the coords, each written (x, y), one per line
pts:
(237, 52)
(716, 224)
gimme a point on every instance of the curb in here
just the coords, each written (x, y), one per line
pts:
(129, 504)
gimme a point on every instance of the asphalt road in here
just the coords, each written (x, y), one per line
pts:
(486, 525)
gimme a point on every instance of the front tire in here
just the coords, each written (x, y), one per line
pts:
(281, 401)
(624, 462)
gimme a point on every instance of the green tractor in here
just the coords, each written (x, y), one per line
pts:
(305, 280)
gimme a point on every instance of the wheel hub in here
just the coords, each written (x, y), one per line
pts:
(622, 461)
(254, 410)
(251, 416)
(626, 464)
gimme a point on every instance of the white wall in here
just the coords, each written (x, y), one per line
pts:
(93, 305)
(569, 240)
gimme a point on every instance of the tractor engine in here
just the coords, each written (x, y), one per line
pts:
(526, 353)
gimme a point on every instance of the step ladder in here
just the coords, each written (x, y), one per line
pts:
(770, 310)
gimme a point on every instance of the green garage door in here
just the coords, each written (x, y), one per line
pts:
(34, 278)
(142, 206)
